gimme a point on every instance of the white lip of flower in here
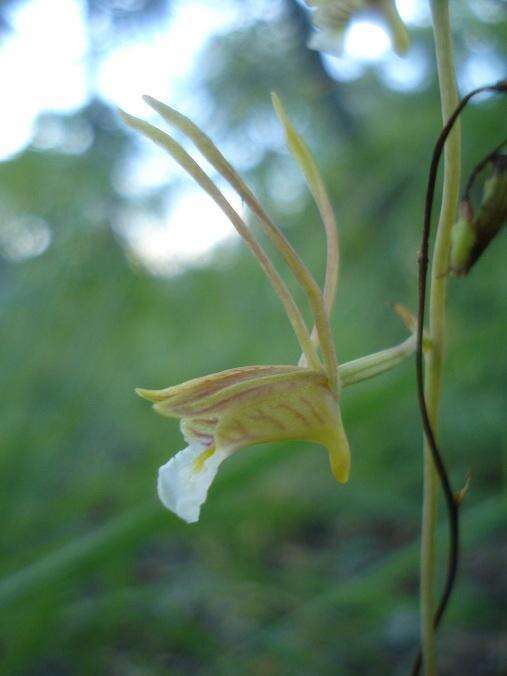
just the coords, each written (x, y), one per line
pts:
(226, 411)
(183, 482)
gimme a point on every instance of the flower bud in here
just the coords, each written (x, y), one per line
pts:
(473, 232)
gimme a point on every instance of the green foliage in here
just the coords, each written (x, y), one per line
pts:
(287, 572)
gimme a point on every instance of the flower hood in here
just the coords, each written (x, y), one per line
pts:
(237, 408)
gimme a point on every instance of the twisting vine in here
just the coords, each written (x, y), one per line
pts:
(452, 501)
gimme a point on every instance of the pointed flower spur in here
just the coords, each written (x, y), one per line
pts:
(227, 411)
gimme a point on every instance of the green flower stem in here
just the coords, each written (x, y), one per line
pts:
(437, 320)
(377, 363)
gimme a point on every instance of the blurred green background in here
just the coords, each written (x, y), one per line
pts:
(104, 286)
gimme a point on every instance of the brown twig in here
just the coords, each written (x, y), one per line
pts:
(452, 504)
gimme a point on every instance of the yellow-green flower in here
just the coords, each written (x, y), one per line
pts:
(227, 411)
(332, 17)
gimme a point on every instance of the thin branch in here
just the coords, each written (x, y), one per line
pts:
(452, 505)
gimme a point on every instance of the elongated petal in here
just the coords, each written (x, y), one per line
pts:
(195, 389)
(180, 155)
(304, 158)
(184, 481)
(301, 273)
(206, 146)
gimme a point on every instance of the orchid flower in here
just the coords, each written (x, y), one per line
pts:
(332, 17)
(227, 411)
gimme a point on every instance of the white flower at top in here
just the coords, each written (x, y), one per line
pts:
(332, 17)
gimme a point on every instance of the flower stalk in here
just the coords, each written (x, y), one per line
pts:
(453, 499)
(437, 322)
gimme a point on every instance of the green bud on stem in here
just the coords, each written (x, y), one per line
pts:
(473, 232)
